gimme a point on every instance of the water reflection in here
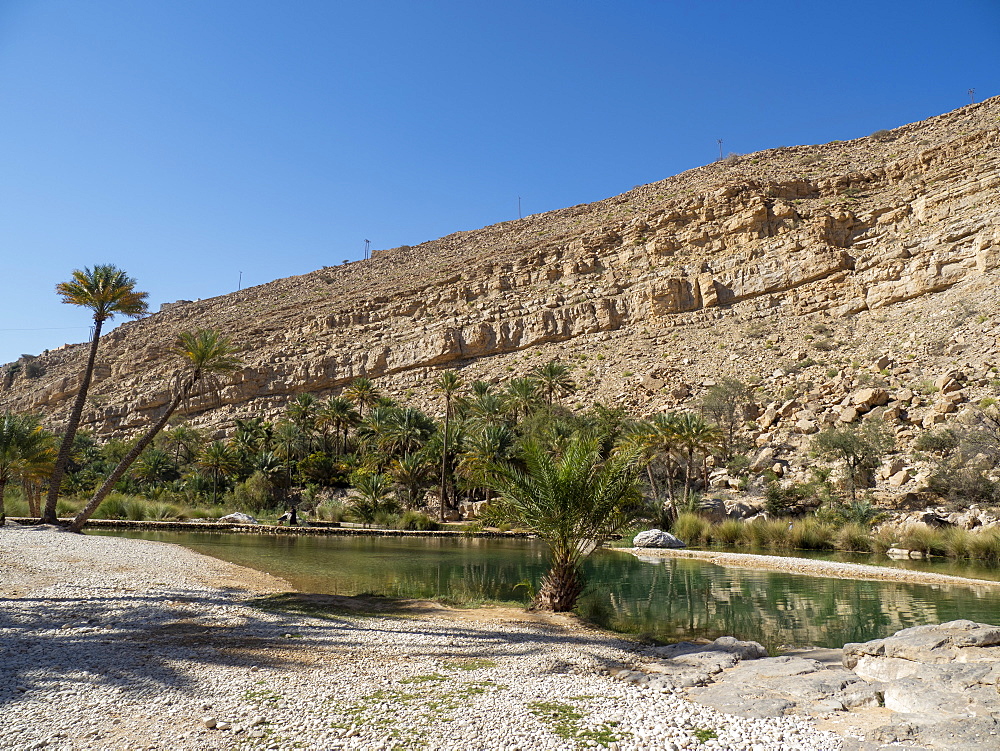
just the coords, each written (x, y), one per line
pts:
(668, 599)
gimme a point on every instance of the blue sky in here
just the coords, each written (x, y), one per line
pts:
(187, 141)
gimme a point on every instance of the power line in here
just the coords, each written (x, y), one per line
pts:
(51, 328)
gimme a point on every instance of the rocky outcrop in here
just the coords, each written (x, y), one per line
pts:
(934, 685)
(767, 241)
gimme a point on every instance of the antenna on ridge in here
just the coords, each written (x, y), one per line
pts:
(519, 208)
(719, 141)
(240, 285)
(972, 96)
(368, 244)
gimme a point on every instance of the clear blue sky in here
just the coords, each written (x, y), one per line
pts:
(188, 140)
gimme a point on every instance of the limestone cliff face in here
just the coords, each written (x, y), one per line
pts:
(783, 237)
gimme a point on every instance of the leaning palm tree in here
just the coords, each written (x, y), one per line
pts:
(574, 502)
(207, 354)
(107, 291)
(552, 380)
(448, 384)
(25, 447)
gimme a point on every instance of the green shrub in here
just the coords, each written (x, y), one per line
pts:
(984, 545)
(690, 528)
(768, 533)
(810, 534)
(729, 532)
(853, 538)
(415, 520)
(926, 539)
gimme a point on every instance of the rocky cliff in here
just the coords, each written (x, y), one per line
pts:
(832, 255)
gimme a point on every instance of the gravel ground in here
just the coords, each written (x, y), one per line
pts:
(810, 567)
(111, 643)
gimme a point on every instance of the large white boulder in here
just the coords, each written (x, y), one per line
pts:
(656, 538)
(237, 518)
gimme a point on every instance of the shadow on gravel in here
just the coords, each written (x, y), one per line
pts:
(131, 640)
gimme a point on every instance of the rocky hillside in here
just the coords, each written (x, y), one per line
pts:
(815, 271)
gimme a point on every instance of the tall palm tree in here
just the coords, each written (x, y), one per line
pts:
(302, 412)
(339, 415)
(25, 448)
(206, 354)
(694, 434)
(521, 397)
(220, 459)
(107, 291)
(574, 502)
(493, 444)
(183, 438)
(362, 392)
(448, 384)
(552, 380)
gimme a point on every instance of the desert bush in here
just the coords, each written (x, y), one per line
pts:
(729, 532)
(768, 533)
(928, 540)
(985, 545)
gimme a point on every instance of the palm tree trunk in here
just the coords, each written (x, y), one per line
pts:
(66, 448)
(3, 511)
(102, 492)
(444, 456)
(561, 586)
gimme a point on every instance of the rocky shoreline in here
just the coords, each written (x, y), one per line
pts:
(113, 643)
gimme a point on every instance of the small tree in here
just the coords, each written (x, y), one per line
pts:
(861, 448)
(448, 385)
(553, 379)
(574, 501)
(725, 404)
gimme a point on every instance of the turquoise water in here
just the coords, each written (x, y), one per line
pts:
(670, 599)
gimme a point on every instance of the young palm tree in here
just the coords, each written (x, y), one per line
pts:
(553, 379)
(206, 354)
(574, 502)
(374, 496)
(25, 450)
(411, 472)
(183, 439)
(107, 291)
(362, 392)
(448, 384)
(302, 412)
(492, 445)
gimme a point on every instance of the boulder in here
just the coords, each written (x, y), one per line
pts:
(868, 398)
(237, 518)
(656, 538)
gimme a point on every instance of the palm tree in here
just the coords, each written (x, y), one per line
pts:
(302, 412)
(183, 438)
(487, 409)
(521, 397)
(694, 434)
(374, 496)
(288, 443)
(220, 459)
(448, 384)
(338, 414)
(206, 354)
(25, 449)
(574, 502)
(411, 473)
(407, 430)
(553, 379)
(107, 291)
(362, 392)
(657, 438)
(491, 445)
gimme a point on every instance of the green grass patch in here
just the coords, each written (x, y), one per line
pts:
(566, 721)
(705, 734)
(470, 663)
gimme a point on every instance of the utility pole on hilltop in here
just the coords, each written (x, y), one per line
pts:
(368, 244)
(519, 208)
(719, 141)
(972, 96)
(240, 285)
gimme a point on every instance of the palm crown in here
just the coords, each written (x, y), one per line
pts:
(106, 290)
